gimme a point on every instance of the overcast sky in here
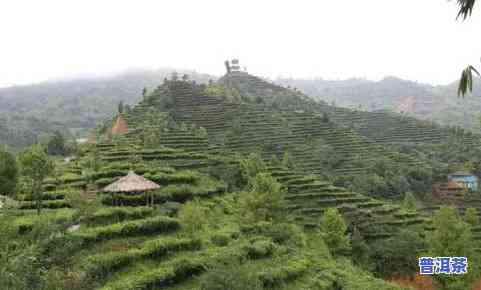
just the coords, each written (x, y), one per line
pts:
(413, 39)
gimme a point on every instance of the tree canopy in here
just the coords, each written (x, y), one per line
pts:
(36, 166)
(333, 231)
(56, 144)
(8, 172)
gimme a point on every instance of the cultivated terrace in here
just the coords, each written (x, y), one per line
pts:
(257, 187)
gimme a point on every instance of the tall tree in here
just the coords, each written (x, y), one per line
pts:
(471, 216)
(8, 172)
(452, 237)
(360, 250)
(56, 144)
(121, 107)
(333, 231)
(36, 166)
(265, 200)
(398, 255)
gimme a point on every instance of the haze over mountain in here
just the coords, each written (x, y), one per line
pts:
(72, 106)
(424, 101)
(75, 105)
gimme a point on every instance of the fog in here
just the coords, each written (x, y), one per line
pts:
(412, 39)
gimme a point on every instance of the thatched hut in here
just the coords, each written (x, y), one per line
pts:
(132, 183)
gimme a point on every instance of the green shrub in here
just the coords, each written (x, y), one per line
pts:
(58, 249)
(193, 217)
(333, 231)
(178, 177)
(118, 214)
(274, 277)
(264, 201)
(173, 272)
(161, 247)
(221, 239)
(258, 228)
(70, 177)
(129, 200)
(103, 182)
(397, 256)
(105, 264)
(286, 233)
(102, 265)
(260, 248)
(409, 202)
(24, 227)
(49, 187)
(51, 204)
(148, 226)
(251, 166)
(45, 196)
(280, 233)
(183, 192)
(471, 216)
(230, 277)
(109, 174)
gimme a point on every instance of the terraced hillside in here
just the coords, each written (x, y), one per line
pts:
(309, 197)
(126, 243)
(194, 229)
(385, 127)
(245, 127)
(380, 127)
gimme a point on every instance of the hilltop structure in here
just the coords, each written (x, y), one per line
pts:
(233, 66)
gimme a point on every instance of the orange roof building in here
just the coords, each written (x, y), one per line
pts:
(120, 126)
(447, 189)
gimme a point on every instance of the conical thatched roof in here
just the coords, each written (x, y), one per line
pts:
(131, 183)
(120, 126)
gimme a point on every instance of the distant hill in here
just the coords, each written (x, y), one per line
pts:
(437, 103)
(333, 142)
(72, 106)
(28, 113)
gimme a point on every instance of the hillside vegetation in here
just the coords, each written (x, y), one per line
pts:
(227, 234)
(28, 113)
(434, 103)
(260, 188)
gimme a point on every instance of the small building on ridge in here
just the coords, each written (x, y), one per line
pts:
(467, 180)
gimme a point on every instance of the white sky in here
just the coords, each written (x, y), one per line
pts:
(412, 39)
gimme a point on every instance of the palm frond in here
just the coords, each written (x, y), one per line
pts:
(465, 8)
(466, 81)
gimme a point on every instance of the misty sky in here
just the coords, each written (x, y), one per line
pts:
(412, 39)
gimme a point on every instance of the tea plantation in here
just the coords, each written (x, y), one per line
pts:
(257, 190)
